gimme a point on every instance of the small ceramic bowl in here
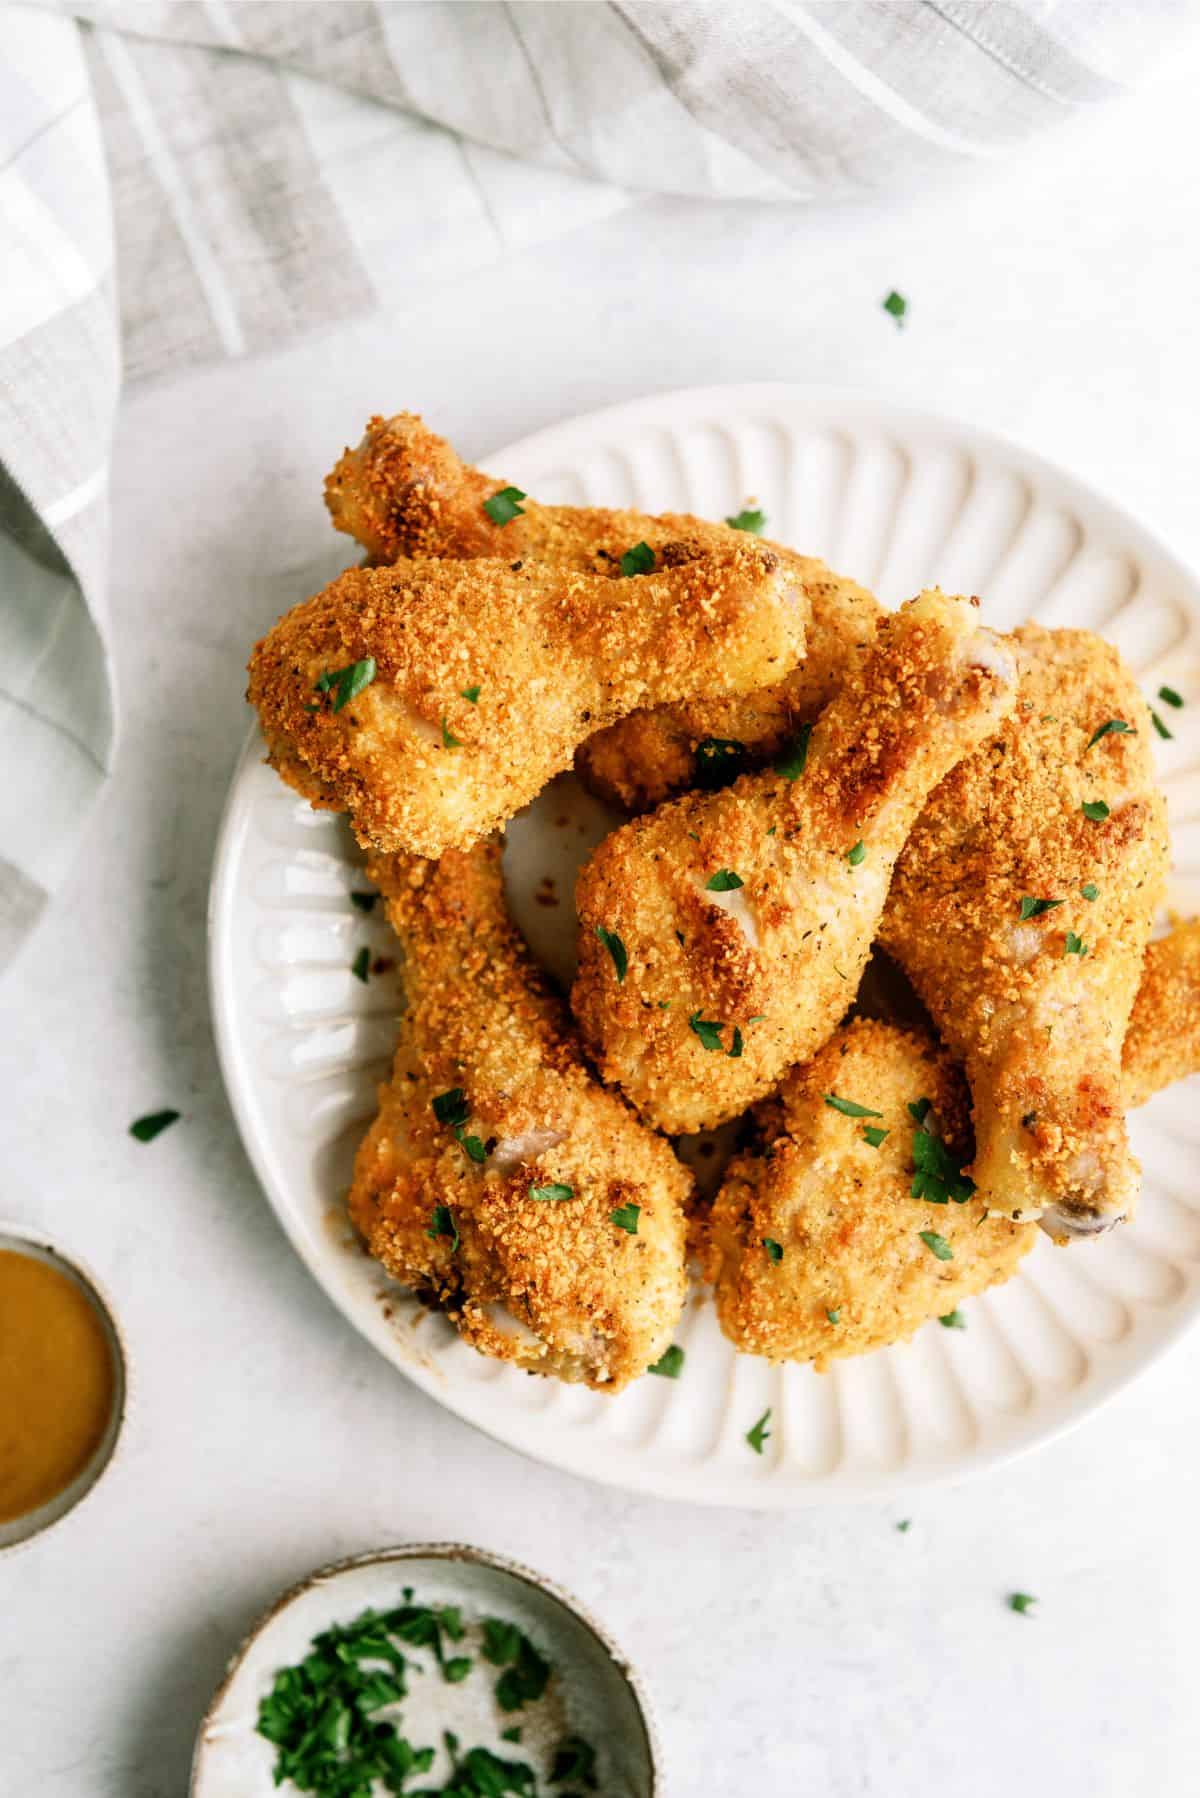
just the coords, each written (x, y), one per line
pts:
(21, 1530)
(598, 1695)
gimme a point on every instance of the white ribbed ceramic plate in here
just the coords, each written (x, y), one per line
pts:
(898, 500)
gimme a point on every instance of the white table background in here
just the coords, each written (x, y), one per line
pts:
(1055, 296)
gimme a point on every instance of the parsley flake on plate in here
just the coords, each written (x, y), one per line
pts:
(552, 1194)
(774, 1249)
(1160, 727)
(360, 966)
(953, 1320)
(616, 949)
(153, 1124)
(896, 306)
(858, 854)
(757, 1435)
(723, 881)
(442, 1224)
(849, 1109)
(1112, 727)
(708, 1030)
(937, 1245)
(364, 901)
(1169, 696)
(793, 759)
(347, 683)
(1033, 908)
(904, 1525)
(749, 519)
(1095, 809)
(502, 507)
(1020, 1602)
(638, 560)
(625, 1217)
(670, 1363)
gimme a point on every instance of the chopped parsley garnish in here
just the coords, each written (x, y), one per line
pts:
(920, 1109)
(474, 1148)
(849, 1109)
(554, 1193)
(511, 1734)
(1160, 727)
(904, 1525)
(152, 1125)
(1020, 1602)
(937, 1177)
(1169, 696)
(1033, 908)
(735, 1047)
(857, 854)
(451, 1107)
(525, 1671)
(953, 1320)
(1114, 726)
(793, 759)
(1090, 890)
(471, 695)
(874, 1135)
(834, 1316)
(360, 966)
(897, 306)
(937, 1245)
(723, 881)
(718, 761)
(625, 1217)
(1074, 945)
(774, 1249)
(1095, 809)
(502, 508)
(670, 1363)
(749, 519)
(708, 1030)
(759, 1434)
(575, 1759)
(442, 1224)
(638, 560)
(616, 949)
(364, 901)
(454, 1671)
(348, 682)
(449, 740)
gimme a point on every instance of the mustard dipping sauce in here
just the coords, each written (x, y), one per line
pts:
(57, 1382)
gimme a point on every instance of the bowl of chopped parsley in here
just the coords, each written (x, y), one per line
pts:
(435, 1671)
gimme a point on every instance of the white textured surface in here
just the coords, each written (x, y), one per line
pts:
(903, 501)
(1053, 298)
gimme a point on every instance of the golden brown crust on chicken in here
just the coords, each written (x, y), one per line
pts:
(1162, 1043)
(552, 1284)
(487, 677)
(653, 755)
(848, 1270)
(730, 984)
(1038, 1022)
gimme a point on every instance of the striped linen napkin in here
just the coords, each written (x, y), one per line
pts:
(186, 179)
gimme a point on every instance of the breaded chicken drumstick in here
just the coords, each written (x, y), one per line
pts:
(404, 492)
(814, 1242)
(1020, 911)
(723, 937)
(499, 1176)
(431, 700)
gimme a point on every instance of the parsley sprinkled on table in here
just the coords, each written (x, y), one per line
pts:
(749, 519)
(670, 1363)
(616, 949)
(896, 306)
(1020, 1602)
(145, 1129)
(849, 1109)
(638, 560)
(759, 1433)
(347, 683)
(904, 1525)
(503, 506)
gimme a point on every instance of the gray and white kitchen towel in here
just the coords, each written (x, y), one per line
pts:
(185, 179)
